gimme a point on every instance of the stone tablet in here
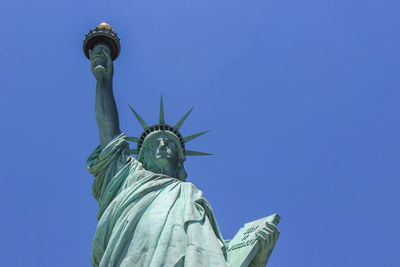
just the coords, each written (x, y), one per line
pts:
(244, 246)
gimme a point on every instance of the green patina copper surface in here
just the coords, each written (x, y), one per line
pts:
(149, 219)
(148, 214)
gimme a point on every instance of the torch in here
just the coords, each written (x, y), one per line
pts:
(103, 34)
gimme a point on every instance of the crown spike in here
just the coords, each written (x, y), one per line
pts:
(161, 121)
(193, 136)
(196, 153)
(133, 139)
(181, 121)
(141, 121)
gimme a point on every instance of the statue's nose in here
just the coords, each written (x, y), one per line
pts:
(162, 143)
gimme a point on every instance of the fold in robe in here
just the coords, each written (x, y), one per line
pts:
(148, 219)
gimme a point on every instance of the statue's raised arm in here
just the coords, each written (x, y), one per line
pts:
(102, 47)
(105, 107)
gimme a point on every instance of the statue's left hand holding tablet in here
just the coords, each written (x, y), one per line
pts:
(267, 238)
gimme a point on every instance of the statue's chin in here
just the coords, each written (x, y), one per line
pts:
(165, 163)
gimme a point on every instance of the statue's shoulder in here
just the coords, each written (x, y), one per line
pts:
(191, 189)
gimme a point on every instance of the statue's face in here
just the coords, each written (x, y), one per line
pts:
(161, 150)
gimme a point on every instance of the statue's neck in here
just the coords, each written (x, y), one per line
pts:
(166, 171)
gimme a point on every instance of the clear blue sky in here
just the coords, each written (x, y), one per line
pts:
(301, 97)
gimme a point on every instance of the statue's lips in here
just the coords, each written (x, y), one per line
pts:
(163, 155)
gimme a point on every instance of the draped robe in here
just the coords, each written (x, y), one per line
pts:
(149, 219)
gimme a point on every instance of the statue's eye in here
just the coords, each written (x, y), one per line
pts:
(171, 145)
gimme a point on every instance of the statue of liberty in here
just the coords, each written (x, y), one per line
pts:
(148, 214)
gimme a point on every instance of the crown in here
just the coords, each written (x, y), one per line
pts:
(102, 34)
(165, 127)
